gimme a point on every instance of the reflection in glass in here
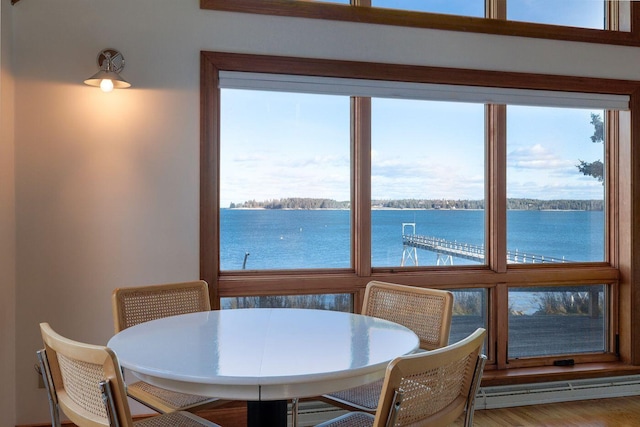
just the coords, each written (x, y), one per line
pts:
(469, 313)
(335, 302)
(557, 320)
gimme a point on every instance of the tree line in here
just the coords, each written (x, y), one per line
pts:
(512, 204)
(292, 203)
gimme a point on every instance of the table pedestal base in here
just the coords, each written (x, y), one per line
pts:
(270, 413)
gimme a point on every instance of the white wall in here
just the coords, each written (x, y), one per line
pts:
(7, 226)
(107, 184)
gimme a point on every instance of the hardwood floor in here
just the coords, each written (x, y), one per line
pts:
(615, 412)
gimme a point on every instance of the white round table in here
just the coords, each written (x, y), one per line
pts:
(262, 355)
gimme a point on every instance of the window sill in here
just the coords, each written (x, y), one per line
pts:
(555, 373)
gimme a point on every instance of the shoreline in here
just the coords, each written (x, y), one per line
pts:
(381, 208)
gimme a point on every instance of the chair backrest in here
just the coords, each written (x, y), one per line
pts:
(432, 388)
(427, 312)
(144, 303)
(77, 371)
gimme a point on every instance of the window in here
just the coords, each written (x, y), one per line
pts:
(510, 167)
(425, 169)
(555, 184)
(545, 321)
(274, 215)
(597, 21)
(573, 13)
(469, 313)
(451, 7)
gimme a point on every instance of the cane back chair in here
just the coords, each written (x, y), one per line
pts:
(430, 388)
(427, 312)
(89, 389)
(135, 305)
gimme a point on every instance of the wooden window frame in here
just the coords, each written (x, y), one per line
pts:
(622, 269)
(496, 22)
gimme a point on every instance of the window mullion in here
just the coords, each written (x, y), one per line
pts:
(361, 184)
(498, 324)
(496, 240)
(635, 19)
(496, 198)
(496, 9)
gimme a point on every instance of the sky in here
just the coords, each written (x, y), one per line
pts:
(279, 145)
(581, 13)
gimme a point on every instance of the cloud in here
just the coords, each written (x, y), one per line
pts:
(585, 190)
(250, 158)
(420, 178)
(537, 157)
(315, 161)
(264, 176)
(533, 171)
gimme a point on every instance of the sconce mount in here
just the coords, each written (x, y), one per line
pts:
(116, 58)
(111, 63)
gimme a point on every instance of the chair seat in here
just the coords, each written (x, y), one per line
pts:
(181, 418)
(163, 400)
(363, 398)
(352, 419)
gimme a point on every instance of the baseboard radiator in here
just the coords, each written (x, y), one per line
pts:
(553, 392)
(313, 412)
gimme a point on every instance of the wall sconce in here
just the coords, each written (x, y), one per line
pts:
(111, 62)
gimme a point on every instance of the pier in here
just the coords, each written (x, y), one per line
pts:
(447, 250)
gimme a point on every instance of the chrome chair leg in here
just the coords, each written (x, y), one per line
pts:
(294, 412)
(54, 411)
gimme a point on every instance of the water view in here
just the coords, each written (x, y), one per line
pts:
(298, 239)
(269, 239)
(278, 147)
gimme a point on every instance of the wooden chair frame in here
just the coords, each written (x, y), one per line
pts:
(425, 311)
(69, 388)
(87, 384)
(430, 388)
(134, 305)
(377, 303)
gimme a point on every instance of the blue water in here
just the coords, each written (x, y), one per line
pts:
(298, 239)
